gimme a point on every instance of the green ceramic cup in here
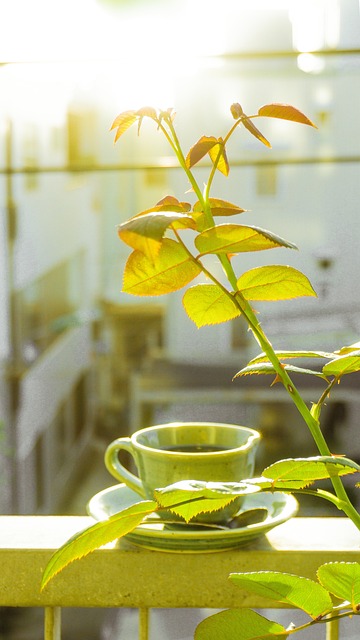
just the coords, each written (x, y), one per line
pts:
(168, 453)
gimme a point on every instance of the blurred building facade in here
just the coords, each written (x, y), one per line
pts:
(68, 336)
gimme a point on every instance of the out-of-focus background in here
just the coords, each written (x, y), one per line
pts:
(81, 362)
(76, 354)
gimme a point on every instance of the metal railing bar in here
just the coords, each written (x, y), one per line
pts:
(332, 630)
(169, 163)
(52, 623)
(144, 615)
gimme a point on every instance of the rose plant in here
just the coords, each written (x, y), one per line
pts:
(170, 243)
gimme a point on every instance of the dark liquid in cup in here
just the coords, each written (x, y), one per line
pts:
(195, 448)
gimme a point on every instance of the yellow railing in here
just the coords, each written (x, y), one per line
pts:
(123, 575)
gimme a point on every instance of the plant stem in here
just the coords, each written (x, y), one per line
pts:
(325, 620)
(176, 146)
(316, 408)
(344, 502)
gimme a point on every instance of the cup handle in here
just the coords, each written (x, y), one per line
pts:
(117, 470)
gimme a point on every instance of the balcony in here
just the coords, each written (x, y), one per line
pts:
(122, 575)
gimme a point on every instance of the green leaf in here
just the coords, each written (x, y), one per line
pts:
(308, 470)
(207, 304)
(254, 131)
(345, 350)
(144, 233)
(233, 238)
(289, 589)
(268, 368)
(265, 484)
(239, 624)
(285, 112)
(189, 498)
(171, 270)
(343, 364)
(200, 149)
(343, 580)
(97, 536)
(219, 207)
(275, 282)
(289, 355)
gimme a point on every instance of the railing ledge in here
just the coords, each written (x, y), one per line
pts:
(123, 575)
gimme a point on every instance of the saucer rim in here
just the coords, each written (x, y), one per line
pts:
(150, 534)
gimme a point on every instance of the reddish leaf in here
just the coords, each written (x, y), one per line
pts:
(219, 207)
(169, 203)
(255, 132)
(172, 201)
(285, 112)
(236, 111)
(199, 150)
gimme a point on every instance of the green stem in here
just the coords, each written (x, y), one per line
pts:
(325, 620)
(176, 146)
(311, 422)
(211, 177)
(316, 408)
(317, 493)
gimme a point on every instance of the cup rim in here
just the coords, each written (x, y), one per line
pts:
(254, 436)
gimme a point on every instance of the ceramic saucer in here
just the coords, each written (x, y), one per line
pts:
(278, 506)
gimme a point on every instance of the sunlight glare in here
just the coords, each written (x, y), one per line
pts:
(315, 24)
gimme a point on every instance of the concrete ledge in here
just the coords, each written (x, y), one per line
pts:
(123, 575)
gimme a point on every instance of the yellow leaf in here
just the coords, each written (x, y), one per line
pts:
(275, 282)
(222, 162)
(145, 232)
(122, 122)
(235, 238)
(150, 112)
(171, 270)
(207, 304)
(285, 112)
